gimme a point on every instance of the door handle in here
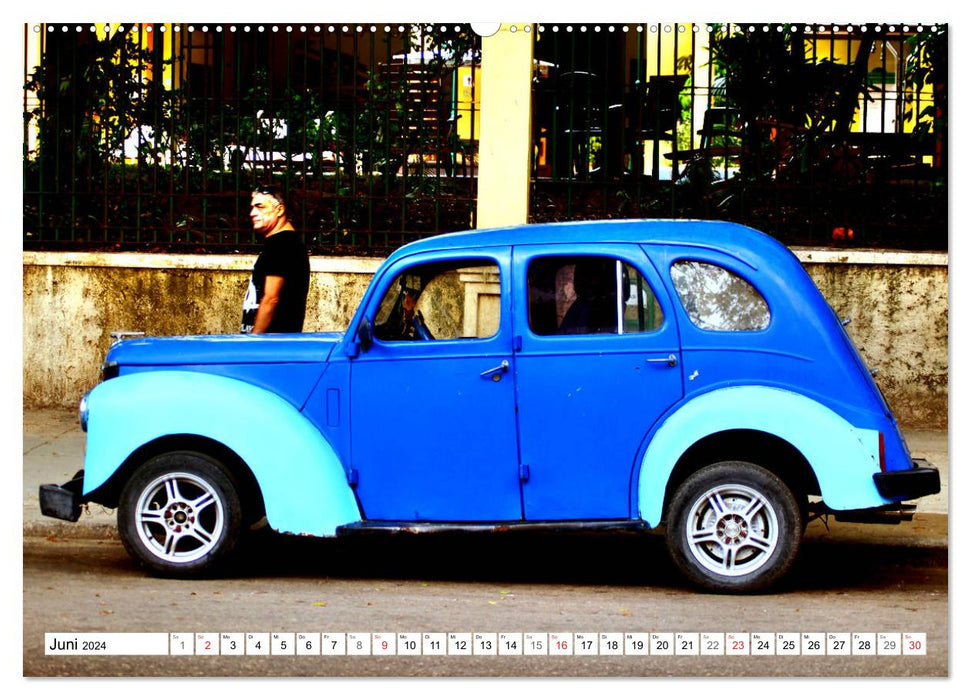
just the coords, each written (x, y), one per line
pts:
(671, 360)
(496, 372)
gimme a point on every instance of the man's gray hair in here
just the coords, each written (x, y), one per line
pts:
(275, 192)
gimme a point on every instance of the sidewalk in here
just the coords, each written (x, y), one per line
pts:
(54, 452)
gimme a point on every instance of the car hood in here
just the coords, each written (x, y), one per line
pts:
(224, 349)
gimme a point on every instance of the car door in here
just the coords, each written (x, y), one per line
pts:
(433, 429)
(599, 364)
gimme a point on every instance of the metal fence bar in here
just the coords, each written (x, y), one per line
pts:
(824, 178)
(363, 128)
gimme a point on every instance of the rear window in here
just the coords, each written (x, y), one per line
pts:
(717, 299)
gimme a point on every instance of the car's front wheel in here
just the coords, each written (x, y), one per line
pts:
(733, 527)
(180, 514)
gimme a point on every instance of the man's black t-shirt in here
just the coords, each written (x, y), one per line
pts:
(283, 256)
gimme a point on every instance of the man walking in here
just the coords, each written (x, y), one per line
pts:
(276, 300)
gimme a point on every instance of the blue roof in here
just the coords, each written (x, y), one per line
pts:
(730, 237)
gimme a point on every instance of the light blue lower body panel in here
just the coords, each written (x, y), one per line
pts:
(303, 482)
(843, 457)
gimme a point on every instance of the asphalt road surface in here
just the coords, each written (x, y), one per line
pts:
(868, 579)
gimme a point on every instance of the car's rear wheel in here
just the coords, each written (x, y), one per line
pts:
(180, 514)
(733, 527)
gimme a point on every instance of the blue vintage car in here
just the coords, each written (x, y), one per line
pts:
(615, 374)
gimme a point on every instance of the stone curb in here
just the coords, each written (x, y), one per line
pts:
(71, 531)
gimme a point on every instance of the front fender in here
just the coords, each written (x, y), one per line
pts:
(302, 480)
(843, 457)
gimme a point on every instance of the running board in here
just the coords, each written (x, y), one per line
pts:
(424, 528)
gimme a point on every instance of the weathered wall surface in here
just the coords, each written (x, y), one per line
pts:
(898, 304)
(72, 302)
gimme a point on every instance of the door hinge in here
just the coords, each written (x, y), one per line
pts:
(524, 472)
(352, 477)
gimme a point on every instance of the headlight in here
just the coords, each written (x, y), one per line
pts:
(83, 413)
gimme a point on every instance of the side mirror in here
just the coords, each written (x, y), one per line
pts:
(364, 336)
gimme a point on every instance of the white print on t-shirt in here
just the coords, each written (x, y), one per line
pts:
(250, 305)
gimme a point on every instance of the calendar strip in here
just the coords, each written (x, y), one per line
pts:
(487, 644)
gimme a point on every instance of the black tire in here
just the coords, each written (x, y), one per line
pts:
(180, 514)
(733, 527)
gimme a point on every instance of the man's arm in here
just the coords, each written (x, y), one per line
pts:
(271, 297)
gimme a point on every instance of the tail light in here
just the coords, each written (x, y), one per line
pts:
(883, 454)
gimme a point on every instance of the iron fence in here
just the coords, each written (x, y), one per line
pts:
(151, 136)
(815, 134)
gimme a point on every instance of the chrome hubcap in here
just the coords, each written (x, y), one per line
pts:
(732, 530)
(179, 517)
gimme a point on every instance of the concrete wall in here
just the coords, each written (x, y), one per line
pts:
(898, 307)
(72, 301)
(897, 302)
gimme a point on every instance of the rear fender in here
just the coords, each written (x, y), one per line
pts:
(844, 458)
(303, 483)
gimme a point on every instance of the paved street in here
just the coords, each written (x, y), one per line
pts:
(847, 580)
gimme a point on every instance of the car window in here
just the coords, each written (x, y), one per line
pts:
(441, 301)
(583, 295)
(642, 313)
(717, 299)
